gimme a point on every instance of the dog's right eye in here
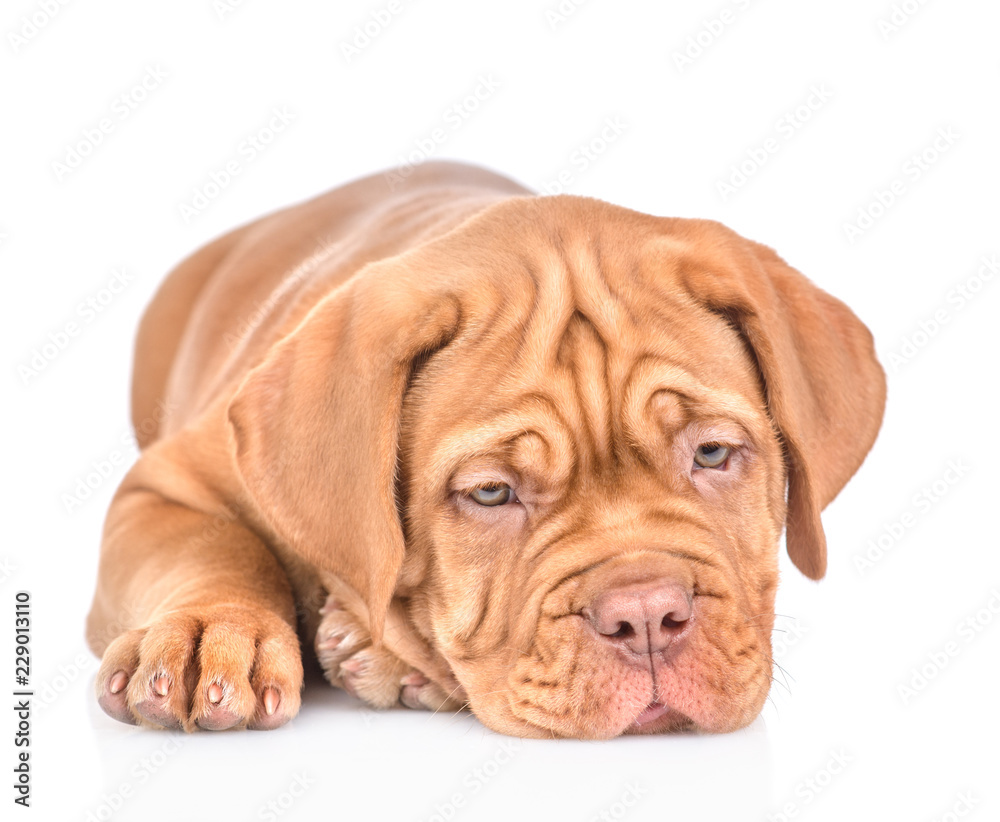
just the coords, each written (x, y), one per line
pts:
(712, 455)
(490, 495)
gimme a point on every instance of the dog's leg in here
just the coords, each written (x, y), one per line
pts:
(194, 619)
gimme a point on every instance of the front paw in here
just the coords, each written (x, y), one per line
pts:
(375, 675)
(213, 668)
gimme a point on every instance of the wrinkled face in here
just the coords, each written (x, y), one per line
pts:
(593, 495)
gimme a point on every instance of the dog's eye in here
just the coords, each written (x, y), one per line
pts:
(495, 494)
(711, 455)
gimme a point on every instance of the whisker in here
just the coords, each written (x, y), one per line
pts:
(438, 709)
(785, 675)
(454, 718)
(767, 614)
(776, 681)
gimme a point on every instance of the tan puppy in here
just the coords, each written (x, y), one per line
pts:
(476, 447)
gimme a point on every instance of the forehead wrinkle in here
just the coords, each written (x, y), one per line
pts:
(570, 278)
(607, 311)
(553, 327)
(552, 309)
(652, 374)
(595, 341)
(575, 312)
(584, 356)
(533, 414)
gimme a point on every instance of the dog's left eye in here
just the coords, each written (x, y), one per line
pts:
(490, 495)
(711, 455)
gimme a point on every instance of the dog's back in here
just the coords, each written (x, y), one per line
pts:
(256, 283)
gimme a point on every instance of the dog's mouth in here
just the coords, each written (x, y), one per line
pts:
(705, 673)
(658, 718)
(652, 712)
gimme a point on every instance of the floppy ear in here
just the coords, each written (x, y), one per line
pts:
(825, 389)
(316, 427)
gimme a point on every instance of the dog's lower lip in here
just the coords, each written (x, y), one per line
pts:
(651, 713)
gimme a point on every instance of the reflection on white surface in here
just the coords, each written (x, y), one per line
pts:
(340, 757)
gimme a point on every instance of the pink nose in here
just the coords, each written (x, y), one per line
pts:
(643, 618)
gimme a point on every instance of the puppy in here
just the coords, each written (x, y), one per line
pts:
(528, 455)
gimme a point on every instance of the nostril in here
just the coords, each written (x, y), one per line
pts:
(624, 631)
(673, 621)
(642, 618)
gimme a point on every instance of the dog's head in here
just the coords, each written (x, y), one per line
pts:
(567, 437)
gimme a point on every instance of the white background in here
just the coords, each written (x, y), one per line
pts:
(850, 641)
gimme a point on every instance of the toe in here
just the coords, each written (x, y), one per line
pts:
(224, 698)
(151, 701)
(159, 692)
(215, 712)
(118, 665)
(111, 697)
(374, 676)
(277, 679)
(271, 713)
